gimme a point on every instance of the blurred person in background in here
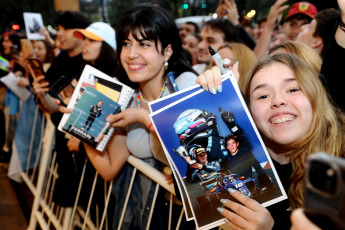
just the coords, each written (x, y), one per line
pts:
(190, 43)
(299, 14)
(188, 28)
(11, 51)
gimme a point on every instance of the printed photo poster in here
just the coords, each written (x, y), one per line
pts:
(33, 23)
(88, 118)
(108, 86)
(195, 132)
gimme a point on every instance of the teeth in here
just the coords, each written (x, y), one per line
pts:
(282, 120)
(134, 66)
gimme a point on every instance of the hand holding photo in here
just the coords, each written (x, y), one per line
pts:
(88, 118)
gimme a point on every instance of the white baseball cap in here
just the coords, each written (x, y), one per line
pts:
(98, 31)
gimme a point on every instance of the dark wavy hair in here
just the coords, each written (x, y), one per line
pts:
(71, 20)
(156, 24)
(106, 60)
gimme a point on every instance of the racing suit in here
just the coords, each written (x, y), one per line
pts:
(194, 174)
(95, 112)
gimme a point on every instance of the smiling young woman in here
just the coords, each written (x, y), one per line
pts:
(148, 47)
(292, 111)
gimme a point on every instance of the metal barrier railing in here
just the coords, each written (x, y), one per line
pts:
(46, 214)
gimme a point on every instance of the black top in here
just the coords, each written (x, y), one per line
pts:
(64, 65)
(332, 70)
(281, 211)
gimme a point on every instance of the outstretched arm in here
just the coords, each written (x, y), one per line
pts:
(275, 13)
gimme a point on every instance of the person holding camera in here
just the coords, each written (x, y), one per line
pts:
(295, 117)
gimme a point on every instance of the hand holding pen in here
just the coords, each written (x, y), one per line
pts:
(211, 80)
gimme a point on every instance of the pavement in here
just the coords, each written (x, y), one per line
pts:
(14, 202)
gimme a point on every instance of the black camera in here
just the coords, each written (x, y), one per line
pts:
(324, 191)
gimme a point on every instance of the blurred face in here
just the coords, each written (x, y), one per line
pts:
(6, 43)
(226, 52)
(278, 39)
(141, 59)
(186, 29)
(202, 157)
(232, 146)
(40, 50)
(100, 103)
(281, 111)
(306, 34)
(190, 43)
(209, 37)
(293, 28)
(91, 49)
(67, 41)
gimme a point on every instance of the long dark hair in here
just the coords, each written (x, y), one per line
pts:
(153, 23)
(106, 60)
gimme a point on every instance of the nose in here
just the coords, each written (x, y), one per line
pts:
(202, 45)
(278, 100)
(133, 52)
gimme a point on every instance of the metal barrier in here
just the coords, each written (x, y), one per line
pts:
(48, 215)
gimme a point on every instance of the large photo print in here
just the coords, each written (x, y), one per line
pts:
(213, 143)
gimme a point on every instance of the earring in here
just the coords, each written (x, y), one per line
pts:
(166, 65)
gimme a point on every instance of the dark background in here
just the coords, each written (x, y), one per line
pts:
(11, 11)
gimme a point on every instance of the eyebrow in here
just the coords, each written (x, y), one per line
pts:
(287, 80)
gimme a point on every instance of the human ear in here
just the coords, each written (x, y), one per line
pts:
(317, 42)
(168, 51)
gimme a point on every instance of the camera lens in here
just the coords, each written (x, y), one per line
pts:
(323, 177)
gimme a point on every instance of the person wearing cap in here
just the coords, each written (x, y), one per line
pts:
(202, 167)
(98, 46)
(69, 63)
(300, 13)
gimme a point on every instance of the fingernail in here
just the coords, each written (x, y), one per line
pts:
(219, 209)
(214, 91)
(226, 220)
(206, 89)
(219, 88)
(223, 201)
(226, 62)
(237, 65)
(230, 190)
(108, 119)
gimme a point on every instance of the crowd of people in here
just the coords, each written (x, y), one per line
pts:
(287, 70)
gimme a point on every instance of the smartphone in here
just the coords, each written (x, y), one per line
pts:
(27, 47)
(324, 191)
(14, 50)
(62, 89)
(37, 67)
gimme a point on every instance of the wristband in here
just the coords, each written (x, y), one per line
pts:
(148, 127)
(342, 25)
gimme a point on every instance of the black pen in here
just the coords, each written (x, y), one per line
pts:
(217, 60)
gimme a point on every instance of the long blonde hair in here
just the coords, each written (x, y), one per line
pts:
(301, 50)
(245, 57)
(328, 126)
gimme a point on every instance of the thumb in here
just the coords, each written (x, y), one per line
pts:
(234, 69)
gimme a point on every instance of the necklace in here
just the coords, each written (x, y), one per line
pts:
(140, 96)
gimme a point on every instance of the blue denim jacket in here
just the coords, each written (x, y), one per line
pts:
(140, 201)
